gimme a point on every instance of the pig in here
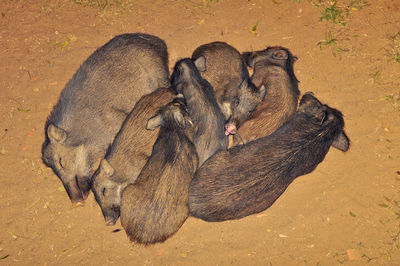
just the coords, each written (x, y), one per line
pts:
(248, 178)
(94, 104)
(208, 120)
(272, 68)
(156, 205)
(128, 153)
(226, 71)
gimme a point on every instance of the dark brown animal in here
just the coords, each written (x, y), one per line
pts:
(248, 178)
(128, 153)
(156, 205)
(208, 121)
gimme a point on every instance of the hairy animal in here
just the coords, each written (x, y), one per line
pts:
(94, 104)
(273, 69)
(208, 120)
(247, 179)
(128, 153)
(156, 205)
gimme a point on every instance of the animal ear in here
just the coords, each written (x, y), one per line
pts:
(179, 96)
(244, 85)
(248, 59)
(56, 134)
(308, 100)
(154, 122)
(200, 63)
(341, 142)
(280, 55)
(262, 91)
(180, 119)
(226, 109)
(321, 117)
(106, 167)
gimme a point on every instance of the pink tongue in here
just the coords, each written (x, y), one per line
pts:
(227, 132)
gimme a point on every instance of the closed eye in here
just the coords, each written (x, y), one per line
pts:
(103, 191)
(59, 161)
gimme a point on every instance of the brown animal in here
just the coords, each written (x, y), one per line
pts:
(227, 73)
(272, 68)
(156, 205)
(128, 153)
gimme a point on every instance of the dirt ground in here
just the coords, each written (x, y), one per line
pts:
(345, 212)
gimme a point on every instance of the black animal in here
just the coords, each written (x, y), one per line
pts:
(227, 73)
(208, 120)
(94, 104)
(272, 68)
(156, 205)
(128, 153)
(248, 178)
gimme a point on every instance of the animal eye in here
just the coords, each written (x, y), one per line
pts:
(236, 102)
(104, 191)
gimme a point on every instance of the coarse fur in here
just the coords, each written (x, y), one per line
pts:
(128, 153)
(227, 73)
(156, 205)
(207, 118)
(248, 178)
(96, 101)
(272, 68)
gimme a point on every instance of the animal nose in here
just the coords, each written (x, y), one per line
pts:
(230, 129)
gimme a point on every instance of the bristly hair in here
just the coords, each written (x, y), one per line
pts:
(288, 66)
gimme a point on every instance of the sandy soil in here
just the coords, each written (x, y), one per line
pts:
(345, 212)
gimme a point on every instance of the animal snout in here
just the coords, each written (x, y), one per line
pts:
(230, 129)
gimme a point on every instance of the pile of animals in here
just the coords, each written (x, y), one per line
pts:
(153, 148)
